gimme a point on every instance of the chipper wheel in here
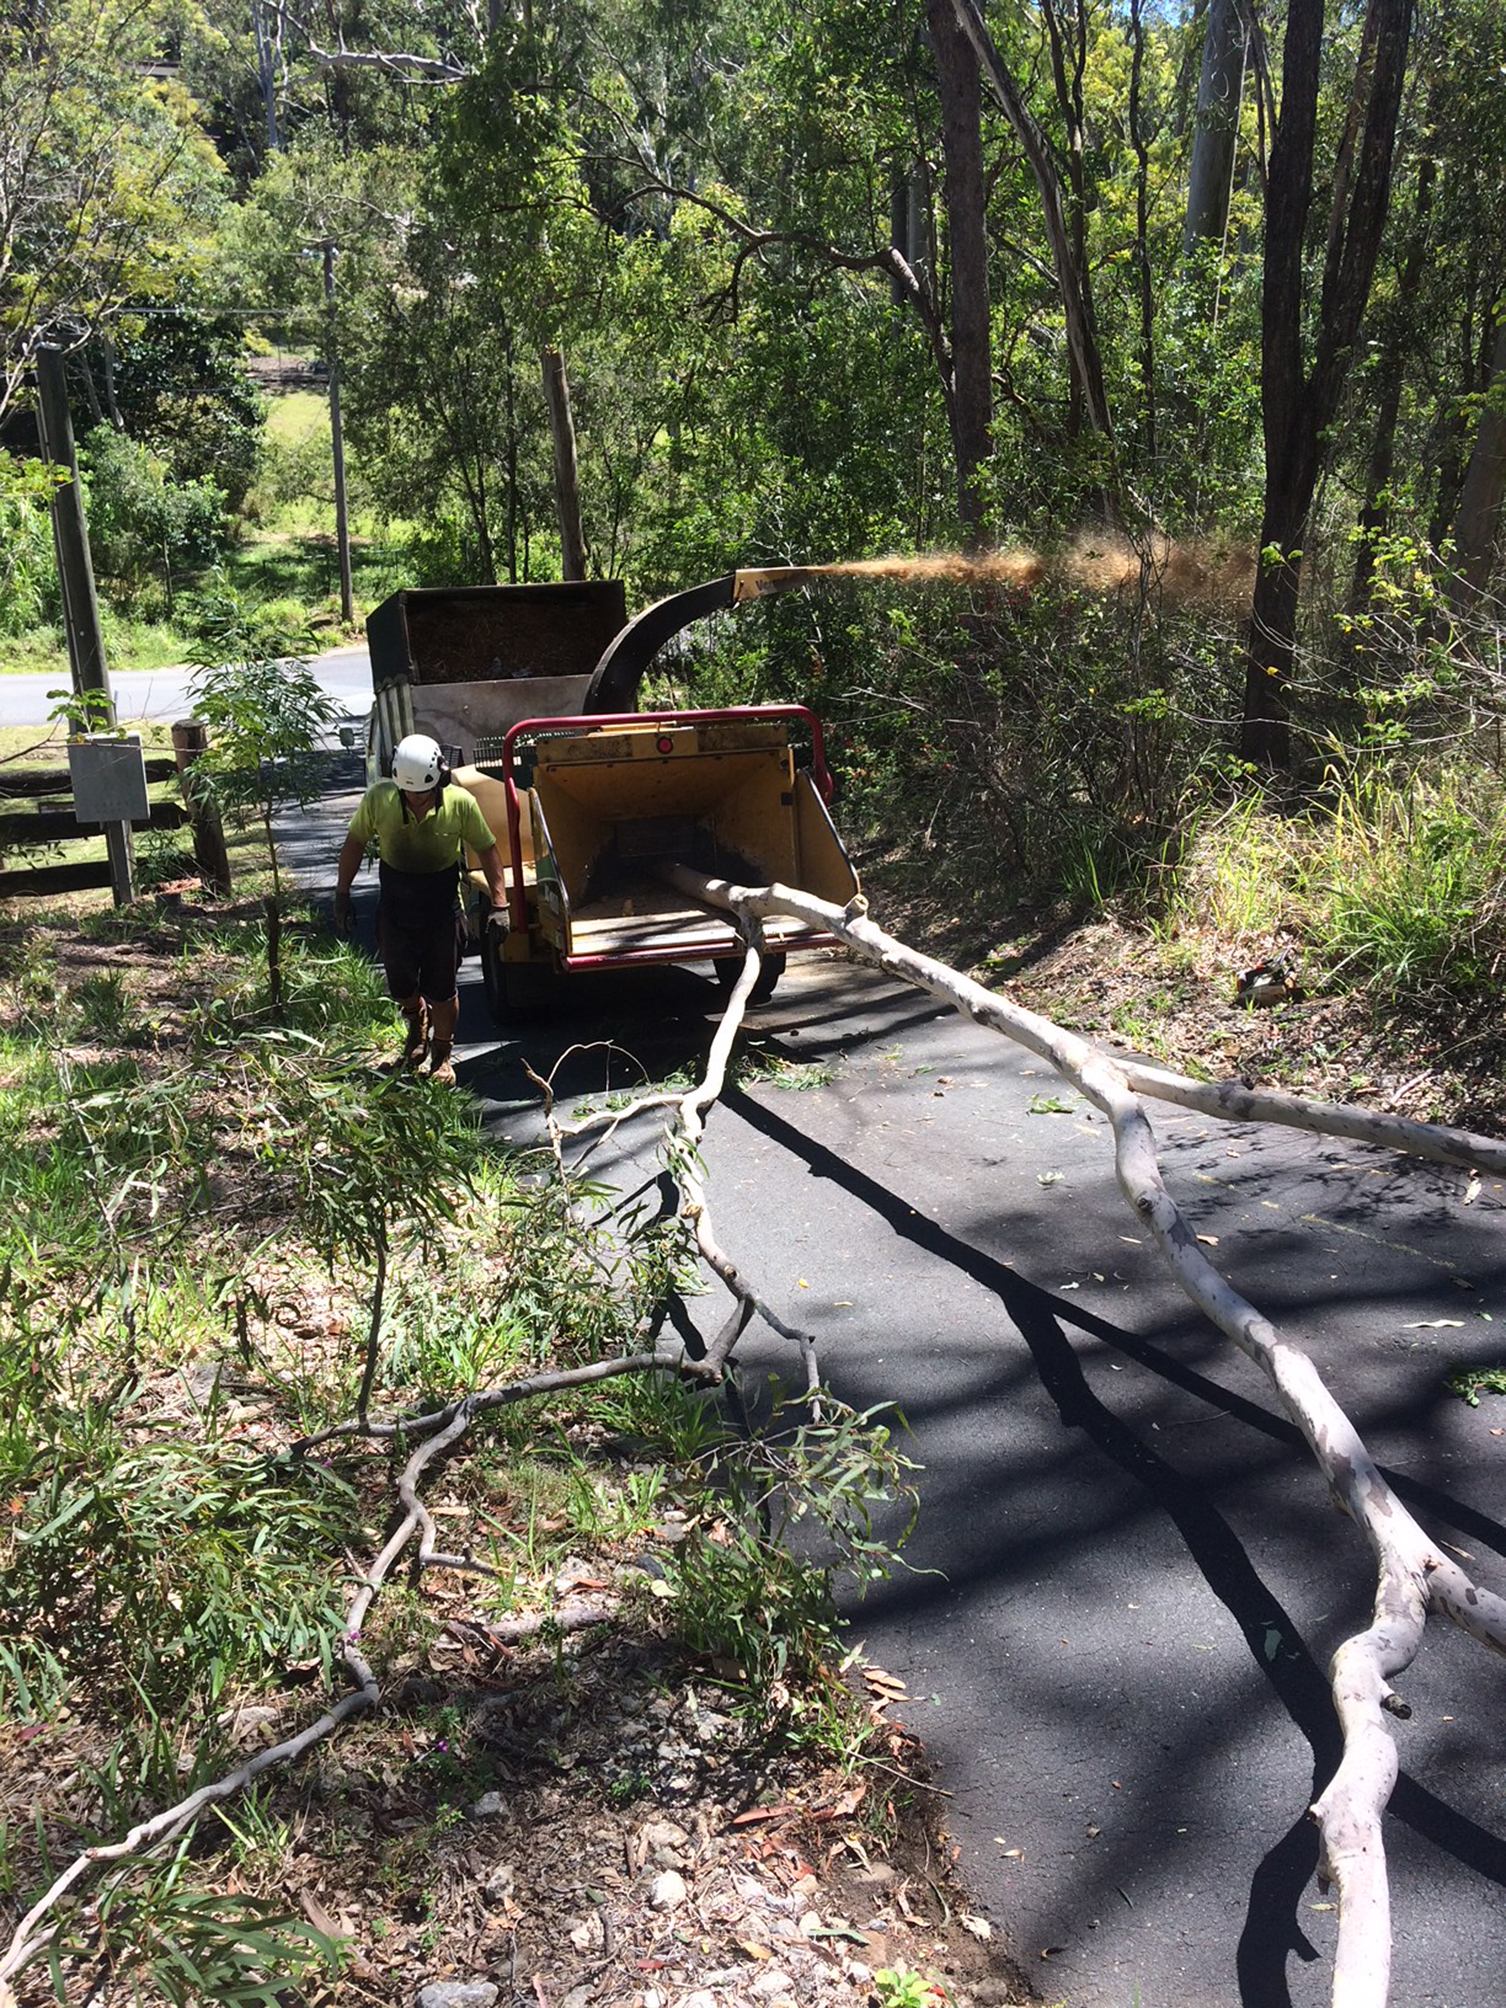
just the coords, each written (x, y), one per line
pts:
(729, 968)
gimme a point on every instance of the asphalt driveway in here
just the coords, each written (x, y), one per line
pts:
(1126, 1580)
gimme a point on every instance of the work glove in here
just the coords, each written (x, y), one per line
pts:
(344, 923)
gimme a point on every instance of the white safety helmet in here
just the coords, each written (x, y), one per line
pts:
(418, 763)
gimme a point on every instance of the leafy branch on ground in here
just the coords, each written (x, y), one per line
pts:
(171, 1551)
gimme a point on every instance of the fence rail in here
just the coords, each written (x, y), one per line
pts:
(21, 783)
(43, 881)
(23, 830)
(50, 819)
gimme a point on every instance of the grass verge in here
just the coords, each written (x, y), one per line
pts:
(191, 1187)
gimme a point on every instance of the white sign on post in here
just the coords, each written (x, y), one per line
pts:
(109, 778)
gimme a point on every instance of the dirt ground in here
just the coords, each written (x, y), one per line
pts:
(564, 1821)
(570, 1828)
(1174, 1001)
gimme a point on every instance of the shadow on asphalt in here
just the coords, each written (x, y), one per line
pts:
(1272, 1931)
(659, 1024)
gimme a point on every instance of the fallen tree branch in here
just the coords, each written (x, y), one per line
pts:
(482, 1403)
(683, 1148)
(1415, 1579)
(437, 1431)
(1232, 1101)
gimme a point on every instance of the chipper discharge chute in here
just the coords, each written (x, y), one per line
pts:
(589, 809)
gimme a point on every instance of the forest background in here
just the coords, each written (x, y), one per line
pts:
(1188, 315)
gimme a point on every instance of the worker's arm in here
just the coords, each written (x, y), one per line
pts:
(490, 861)
(351, 853)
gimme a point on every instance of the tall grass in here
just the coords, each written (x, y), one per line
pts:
(1395, 886)
(1411, 887)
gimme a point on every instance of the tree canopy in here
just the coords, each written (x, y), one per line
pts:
(829, 283)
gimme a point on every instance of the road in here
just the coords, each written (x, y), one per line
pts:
(1126, 1581)
(163, 694)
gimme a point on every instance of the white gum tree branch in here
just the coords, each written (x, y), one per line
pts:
(1415, 1579)
(689, 1123)
(1232, 1101)
(437, 1432)
(403, 63)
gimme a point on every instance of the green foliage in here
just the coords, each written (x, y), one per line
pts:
(354, 1156)
(745, 1591)
(27, 575)
(187, 1946)
(157, 1566)
(903, 1987)
(179, 384)
(1054, 737)
(1411, 890)
(371, 1167)
(441, 1339)
(83, 711)
(265, 710)
(154, 1569)
(114, 187)
(1392, 882)
(575, 1295)
(1471, 1382)
(330, 992)
(107, 1155)
(144, 524)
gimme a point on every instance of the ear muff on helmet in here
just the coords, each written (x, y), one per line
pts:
(418, 763)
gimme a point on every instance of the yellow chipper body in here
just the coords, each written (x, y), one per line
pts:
(587, 810)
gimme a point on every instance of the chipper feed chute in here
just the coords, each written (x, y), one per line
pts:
(594, 807)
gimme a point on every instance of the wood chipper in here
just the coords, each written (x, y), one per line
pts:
(531, 691)
(593, 807)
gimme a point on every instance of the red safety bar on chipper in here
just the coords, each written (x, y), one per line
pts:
(605, 721)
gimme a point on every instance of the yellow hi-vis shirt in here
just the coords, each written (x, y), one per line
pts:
(428, 843)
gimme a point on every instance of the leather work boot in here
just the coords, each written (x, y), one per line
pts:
(417, 1037)
(439, 1067)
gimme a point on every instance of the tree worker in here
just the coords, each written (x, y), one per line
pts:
(421, 823)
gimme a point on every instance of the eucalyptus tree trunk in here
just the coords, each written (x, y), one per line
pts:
(1215, 133)
(970, 394)
(1072, 276)
(566, 465)
(337, 437)
(1477, 525)
(1300, 399)
(1375, 515)
(266, 73)
(1145, 283)
(909, 221)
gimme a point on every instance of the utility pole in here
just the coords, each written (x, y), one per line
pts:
(70, 534)
(337, 437)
